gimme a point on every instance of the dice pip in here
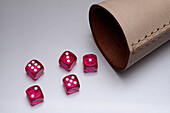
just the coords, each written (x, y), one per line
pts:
(34, 69)
(67, 60)
(90, 63)
(71, 84)
(35, 95)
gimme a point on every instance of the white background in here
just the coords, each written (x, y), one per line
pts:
(43, 29)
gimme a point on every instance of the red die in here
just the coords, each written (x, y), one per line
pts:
(71, 84)
(67, 60)
(34, 69)
(35, 95)
(90, 63)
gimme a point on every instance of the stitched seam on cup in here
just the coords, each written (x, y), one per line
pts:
(146, 37)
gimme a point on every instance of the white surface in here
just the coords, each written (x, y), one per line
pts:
(43, 29)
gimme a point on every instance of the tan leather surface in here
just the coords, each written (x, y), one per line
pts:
(145, 25)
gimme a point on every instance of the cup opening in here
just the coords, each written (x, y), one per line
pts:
(109, 37)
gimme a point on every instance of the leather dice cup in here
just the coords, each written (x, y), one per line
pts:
(126, 31)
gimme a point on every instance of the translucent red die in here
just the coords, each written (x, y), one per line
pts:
(90, 63)
(67, 60)
(34, 69)
(71, 84)
(35, 95)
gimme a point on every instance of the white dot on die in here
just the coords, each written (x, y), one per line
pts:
(35, 70)
(33, 62)
(67, 53)
(75, 82)
(68, 60)
(71, 80)
(38, 66)
(69, 84)
(35, 88)
(67, 57)
(32, 95)
(90, 59)
(72, 77)
(67, 79)
(32, 67)
(29, 65)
